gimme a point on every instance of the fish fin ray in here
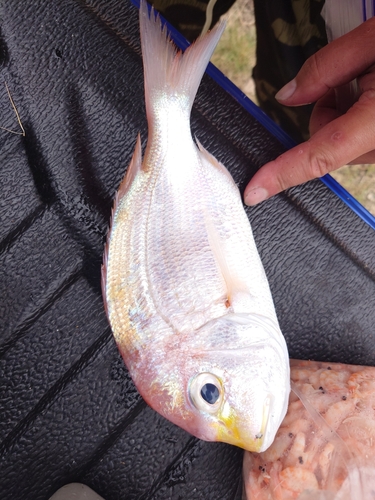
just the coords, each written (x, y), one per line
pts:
(208, 157)
(104, 280)
(104, 268)
(235, 284)
(165, 68)
(134, 167)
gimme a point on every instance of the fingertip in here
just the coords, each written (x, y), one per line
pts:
(255, 195)
(287, 91)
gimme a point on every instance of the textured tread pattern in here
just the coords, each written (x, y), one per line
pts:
(69, 410)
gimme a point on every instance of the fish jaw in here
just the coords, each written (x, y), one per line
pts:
(252, 417)
(233, 433)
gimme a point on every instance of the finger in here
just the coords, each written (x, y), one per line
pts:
(324, 112)
(334, 65)
(367, 158)
(338, 143)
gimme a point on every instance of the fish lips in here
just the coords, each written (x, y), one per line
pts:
(258, 393)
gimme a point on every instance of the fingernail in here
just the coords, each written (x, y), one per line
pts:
(287, 91)
(256, 196)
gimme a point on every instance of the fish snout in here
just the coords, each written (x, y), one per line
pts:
(247, 432)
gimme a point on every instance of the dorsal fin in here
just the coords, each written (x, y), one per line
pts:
(133, 168)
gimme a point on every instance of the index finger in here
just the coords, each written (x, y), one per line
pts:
(336, 144)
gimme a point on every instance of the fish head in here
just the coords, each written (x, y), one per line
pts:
(232, 384)
(242, 386)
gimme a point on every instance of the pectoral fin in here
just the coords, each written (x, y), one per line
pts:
(238, 293)
(237, 289)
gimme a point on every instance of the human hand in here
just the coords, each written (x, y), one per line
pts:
(336, 139)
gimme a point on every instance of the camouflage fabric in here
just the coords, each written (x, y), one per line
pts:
(288, 32)
(189, 16)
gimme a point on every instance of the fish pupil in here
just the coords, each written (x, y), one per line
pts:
(210, 393)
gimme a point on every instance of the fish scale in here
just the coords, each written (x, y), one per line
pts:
(180, 259)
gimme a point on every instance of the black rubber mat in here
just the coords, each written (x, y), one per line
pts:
(69, 411)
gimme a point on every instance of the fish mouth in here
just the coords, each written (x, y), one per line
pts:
(261, 438)
(230, 432)
(264, 435)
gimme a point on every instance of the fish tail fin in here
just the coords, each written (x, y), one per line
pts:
(168, 70)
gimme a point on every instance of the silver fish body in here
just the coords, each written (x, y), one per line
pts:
(185, 291)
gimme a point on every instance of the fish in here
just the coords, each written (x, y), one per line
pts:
(184, 288)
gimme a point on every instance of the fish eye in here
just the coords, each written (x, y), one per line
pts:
(210, 393)
(206, 392)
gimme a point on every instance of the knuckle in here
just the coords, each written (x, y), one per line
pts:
(281, 182)
(320, 163)
(313, 66)
(367, 97)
